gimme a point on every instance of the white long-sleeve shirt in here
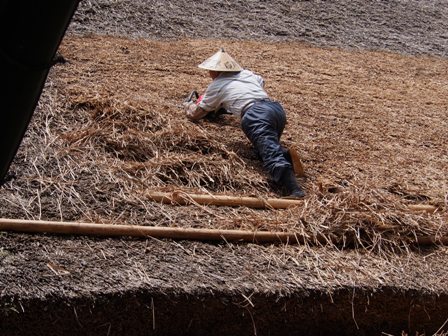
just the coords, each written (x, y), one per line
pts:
(233, 91)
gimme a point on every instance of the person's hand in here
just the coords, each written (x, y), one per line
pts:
(189, 108)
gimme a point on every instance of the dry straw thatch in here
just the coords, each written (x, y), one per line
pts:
(370, 127)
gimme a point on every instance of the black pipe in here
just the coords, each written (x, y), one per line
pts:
(30, 34)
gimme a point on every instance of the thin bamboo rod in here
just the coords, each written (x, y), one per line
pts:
(183, 198)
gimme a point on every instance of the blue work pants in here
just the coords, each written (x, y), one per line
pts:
(263, 123)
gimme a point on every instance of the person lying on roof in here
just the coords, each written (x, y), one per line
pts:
(241, 92)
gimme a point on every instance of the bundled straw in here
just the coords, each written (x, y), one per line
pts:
(370, 129)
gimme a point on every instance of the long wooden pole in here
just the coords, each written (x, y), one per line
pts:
(111, 230)
(73, 228)
(182, 198)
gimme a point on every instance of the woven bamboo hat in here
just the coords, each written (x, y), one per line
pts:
(221, 61)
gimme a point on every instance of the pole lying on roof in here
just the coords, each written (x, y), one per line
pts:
(117, 230)
(114, 230)
(30, 34)
(183, 198)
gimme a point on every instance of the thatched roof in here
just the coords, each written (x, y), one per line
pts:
(370, 127)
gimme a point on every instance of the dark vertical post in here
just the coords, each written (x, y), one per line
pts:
(30, 34)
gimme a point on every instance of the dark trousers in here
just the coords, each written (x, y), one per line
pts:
(263, 123)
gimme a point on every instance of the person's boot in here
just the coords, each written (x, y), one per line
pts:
(289, 183)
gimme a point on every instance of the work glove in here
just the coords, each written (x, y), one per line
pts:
(189, 108)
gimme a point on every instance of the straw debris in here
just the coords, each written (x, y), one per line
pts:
(109, 127)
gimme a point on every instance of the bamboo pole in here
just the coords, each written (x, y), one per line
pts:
(183, 198)
(73, 228)
(115, 230)
(422, 208)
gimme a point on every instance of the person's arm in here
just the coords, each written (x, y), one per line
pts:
(206, 103)
(193, 111)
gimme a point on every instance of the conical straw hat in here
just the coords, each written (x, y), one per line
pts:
(221, 61)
